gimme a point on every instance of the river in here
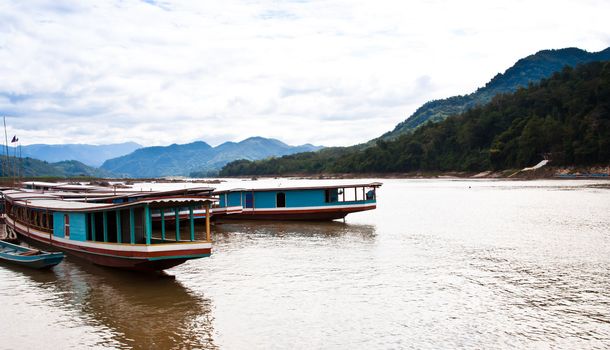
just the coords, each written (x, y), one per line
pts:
(439, 264)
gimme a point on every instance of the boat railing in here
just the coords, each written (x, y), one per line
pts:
(32, 225)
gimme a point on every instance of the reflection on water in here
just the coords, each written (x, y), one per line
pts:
(324, 230)
(112, 308)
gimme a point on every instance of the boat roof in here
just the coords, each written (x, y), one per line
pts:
(105, 193)
(66, 186)
(74, 206)
(17, 194)
(44, 183)
(55, 201)
(292, 188)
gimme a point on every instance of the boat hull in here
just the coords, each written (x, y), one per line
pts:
(147, 261)
(297, 214)
(44, 261)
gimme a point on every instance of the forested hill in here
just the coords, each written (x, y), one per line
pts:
(30, 167)
(530, 69)
(565, 117)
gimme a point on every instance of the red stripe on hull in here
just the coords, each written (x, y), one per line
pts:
(297, 215)
(138, 261)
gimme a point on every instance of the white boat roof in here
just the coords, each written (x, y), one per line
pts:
(65, 205)
(53, 200)
(27, 195)
(302, 187)
(43, 183)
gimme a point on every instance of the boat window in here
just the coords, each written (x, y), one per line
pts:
(360, 195)
(66, 225)
(280, 200)
(350, 194)
(331, 195)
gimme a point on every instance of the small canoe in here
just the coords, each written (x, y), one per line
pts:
(29, 257)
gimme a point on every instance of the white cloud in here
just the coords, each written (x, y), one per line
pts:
(327, 72)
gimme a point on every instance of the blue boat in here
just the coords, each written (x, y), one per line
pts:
(115, 233)
(316, 203)
(28, 257)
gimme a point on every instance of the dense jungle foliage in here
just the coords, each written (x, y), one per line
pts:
(565, 118)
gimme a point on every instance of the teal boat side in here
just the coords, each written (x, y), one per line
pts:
(293, 198)
(295, 203)
(12, 253)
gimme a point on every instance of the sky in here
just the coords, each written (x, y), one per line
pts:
(328, 72)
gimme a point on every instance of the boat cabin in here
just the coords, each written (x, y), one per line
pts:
(300, 203)
(111, 234)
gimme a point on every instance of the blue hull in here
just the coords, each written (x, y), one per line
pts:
(27, 257)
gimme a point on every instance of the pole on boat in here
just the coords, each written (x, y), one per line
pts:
(6, 164)
(119, 239)
(92, 215)
(208, 236)
(177, 217)
(192, 222)
(162, 210)
(148, 224)
(132, 227)
(105, 225)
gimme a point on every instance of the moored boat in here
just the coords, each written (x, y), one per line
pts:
(318, 203)
(111, 234)
(29, 257)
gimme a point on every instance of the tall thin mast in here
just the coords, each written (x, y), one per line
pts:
(8, 167)
(15, 165)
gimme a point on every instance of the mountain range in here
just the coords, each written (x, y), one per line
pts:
(197, 158)
(91, 155)
(530, 69)
(200, 159)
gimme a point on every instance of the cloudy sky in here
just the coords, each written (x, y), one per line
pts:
(327, 72)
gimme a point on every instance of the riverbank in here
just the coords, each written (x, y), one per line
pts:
(548, 172)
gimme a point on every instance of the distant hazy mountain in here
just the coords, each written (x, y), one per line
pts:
(527, 70)
(29, 167)
(92, 155)
(197, 158)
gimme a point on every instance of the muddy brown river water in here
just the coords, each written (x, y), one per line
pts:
(439, 264)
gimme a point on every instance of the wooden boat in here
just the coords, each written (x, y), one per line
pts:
(318, 203)
(118, 234)
(28, 257)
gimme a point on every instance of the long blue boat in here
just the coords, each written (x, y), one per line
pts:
(316, 203)
(29, 257)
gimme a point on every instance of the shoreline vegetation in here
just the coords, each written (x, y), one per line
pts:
(547, 172)
(564, 119)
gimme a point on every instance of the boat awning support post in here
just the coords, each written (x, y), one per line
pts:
(148, 224)
(192, 223)
(132, 227)
(118, 227)
(207, 222)
(177, 217)
(105, 222)
(93, 238)
(162, 224)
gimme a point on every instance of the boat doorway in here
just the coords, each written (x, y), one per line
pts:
(280, 200)
(249, 200)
